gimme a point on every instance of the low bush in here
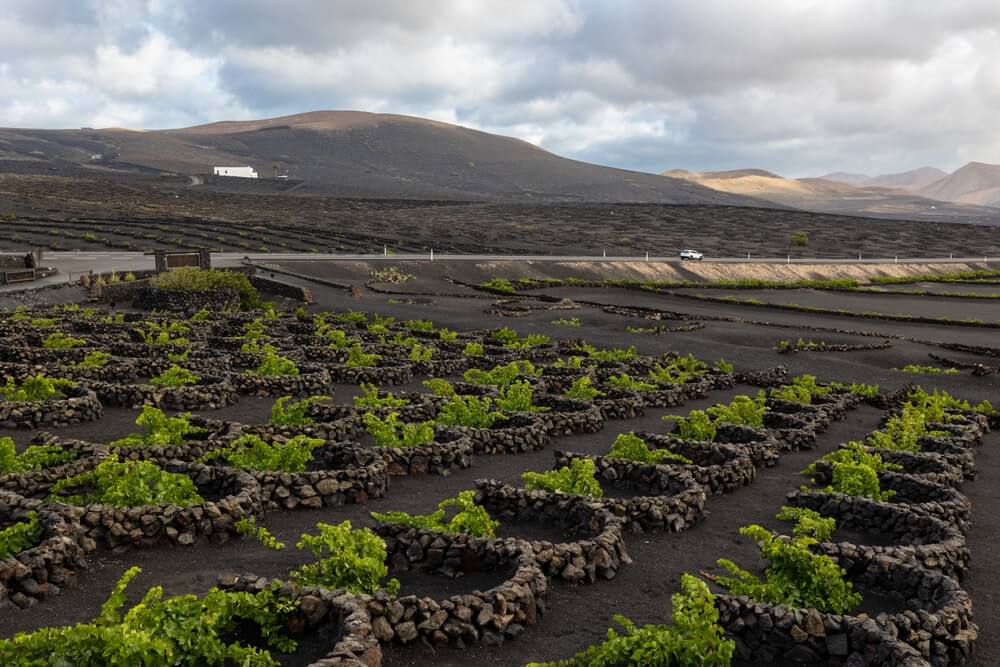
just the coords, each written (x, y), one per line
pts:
(175, 376)
(794, 576)
(626, 382)
(203, 280)
(352, 560)
(276, 365)
(351, 317)
(517, 397)
(390, 432)
(247, 526)
(698, 425)
(567, 322)
(808, 523)
(251, 452)
(21, 535)
(357, 357)
(421, 353)
(284, 413)
(501, 375)
(440, 387)
(616, 354)
(470, 411)
(926, 370)
(579, 478)
(35, 388)
(183, 630)
(371, 398)
(60, 341)
(583, 388)
(498, 285)
(159, 429)
(34, 457)
(128, 484)
(742, 410)
(695, 639)
(469, 518)
(425, 326)
(631, 447)
(473, 350)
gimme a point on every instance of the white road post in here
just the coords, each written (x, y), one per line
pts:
(385, 248)
(788, 259)
(896, 259)
(647, 255)
(432, 254)
(604, 252)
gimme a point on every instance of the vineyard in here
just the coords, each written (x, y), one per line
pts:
(343, 487)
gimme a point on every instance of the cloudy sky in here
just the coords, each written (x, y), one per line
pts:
(800, 87)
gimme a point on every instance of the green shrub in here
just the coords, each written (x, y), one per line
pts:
(517, 397)
(794, 576)
(425, 326)
(578, 478)
(694, 640)
(564, 322)
(446, 336)
(473, 350)
(390, 432)
(248, 526)
(808, 523)
(276, 365)
(857, 479)
(583, 388)
(743, 410)
(34, 457)
(574, 362)
(175, 376)
(901, 431)
(927, 370)
(203, 280)
(631, 447)
(94, 359)
(284, 413)
(356, 357)
(800, 239)
(724, 366)
(60, 341)
(609, 355)
(421, 353)
(698, 425)
(19, 536)
(251, 452)
(183, 630)
(469, 518)
(679, 370)
(159, 429)
(352, 560)
(498, 285)
(858, 389)
(501, 375)
(199, 316)
(470, 411)
(128, 484)
(351, 317)
(626, 382)
(370, 398)
(440, 387)
(35, 388)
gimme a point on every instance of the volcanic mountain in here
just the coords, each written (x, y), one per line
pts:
(357, 154)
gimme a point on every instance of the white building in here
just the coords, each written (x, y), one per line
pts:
(239, 172)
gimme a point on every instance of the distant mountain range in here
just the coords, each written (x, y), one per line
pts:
(357, 154)
(925, 193)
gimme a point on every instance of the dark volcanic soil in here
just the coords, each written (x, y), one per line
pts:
(579, 616)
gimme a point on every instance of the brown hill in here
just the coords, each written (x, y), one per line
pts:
(358, 154)
(976, 183)
(833, 196)
(912, 180)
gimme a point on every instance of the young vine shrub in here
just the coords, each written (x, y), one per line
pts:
(19, 536)
(421, 353)
(60, 341)
(470, 411)
(469, 518)
(794, 576)
(855, 452)
(251, 452)
(440, 387)
(502, 375)
(631, 447)
(695, 639)
(353, 560)
(808, 523)
(175, 376)
(356, 357)
(626, 382)
(696, 426)
(248, 526)
(159, 429)
(518, 397)
(743, 410)
(583, 388)
(858, 479)
(499, 285)
(391, 432)
(96, 359)
(35, 388)
(370, 398)
(182, 630)
(284, 413)
(128, 484)
(473, 349)
(901, 432)
(34, 457)
(275, 365)
(579, 478)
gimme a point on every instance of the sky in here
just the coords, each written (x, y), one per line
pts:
(799, 87)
